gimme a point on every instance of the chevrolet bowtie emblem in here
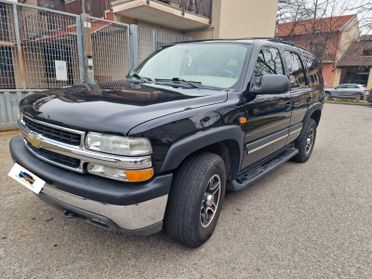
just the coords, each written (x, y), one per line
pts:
(34, 140)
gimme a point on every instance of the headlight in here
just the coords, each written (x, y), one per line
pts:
(118, 145)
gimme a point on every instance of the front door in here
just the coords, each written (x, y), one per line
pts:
(269, 115)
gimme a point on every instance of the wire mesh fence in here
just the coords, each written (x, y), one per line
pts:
(49, 45)
(110, 45)
(7, 47)
(42, 48)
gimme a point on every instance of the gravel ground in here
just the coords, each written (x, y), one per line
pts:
(310, 220)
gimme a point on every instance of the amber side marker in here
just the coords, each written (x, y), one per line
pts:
(139, 175)
(243, 120)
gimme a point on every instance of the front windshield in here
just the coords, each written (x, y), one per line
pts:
(218, 65)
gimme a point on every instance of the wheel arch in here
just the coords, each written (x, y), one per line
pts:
(316, 115)
(226, 141)
(314, 112)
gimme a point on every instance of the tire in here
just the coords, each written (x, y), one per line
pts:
(302, 143)
(185, 219)
(328, 96)
(358, 97)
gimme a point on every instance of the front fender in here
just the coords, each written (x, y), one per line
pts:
(180, 150)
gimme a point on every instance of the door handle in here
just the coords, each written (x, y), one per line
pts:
(288, 106)
(309, 100)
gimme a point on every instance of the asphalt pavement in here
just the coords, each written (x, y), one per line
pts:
(310, 220)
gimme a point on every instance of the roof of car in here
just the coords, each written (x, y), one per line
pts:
(254, 40)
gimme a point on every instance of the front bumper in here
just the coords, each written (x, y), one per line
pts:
(133, 208)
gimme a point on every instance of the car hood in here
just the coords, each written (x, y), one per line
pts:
(114, 107)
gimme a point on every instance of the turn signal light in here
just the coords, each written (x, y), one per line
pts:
(139, 175)
(243, 120)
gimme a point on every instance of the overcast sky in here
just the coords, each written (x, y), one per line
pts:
(361, 7)
(335, 8)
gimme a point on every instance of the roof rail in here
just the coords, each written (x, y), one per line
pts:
(280, 40)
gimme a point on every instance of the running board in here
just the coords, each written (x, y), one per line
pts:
(250, 177)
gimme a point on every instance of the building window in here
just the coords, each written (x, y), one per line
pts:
(367, 52)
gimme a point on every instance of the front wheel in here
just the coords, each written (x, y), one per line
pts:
(196, 199)
(305, 143)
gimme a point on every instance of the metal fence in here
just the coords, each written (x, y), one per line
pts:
(32, 43)
(8, 58)
(110, 47)
(9, 100)
(43, 49)
(48, 41)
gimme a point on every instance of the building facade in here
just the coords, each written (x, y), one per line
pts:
(327, 38)
(202, 19)
(47, 37)
(355, 66)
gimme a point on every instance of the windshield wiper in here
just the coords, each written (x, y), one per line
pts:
(141, 78)
(176, 80)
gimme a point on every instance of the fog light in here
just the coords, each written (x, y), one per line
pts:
(120, 174)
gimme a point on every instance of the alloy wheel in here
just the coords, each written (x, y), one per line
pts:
(211, 201)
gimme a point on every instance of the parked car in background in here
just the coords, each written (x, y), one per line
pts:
(347, 91)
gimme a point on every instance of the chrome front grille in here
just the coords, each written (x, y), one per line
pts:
(64, 136)
(55, 157)
(52, 143)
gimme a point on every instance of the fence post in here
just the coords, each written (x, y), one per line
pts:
(154, 40)
(80, 48)
(21, 60)
(133, 46)
(86, 26)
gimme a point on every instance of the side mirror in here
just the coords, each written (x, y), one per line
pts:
(272, 84)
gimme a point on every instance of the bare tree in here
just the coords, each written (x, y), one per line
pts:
(317, 20)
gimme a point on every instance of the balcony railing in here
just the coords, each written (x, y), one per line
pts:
(95, 8)
(199, 7)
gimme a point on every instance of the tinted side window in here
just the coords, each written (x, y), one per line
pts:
(315, 76)
(296, 71)
(268, 62)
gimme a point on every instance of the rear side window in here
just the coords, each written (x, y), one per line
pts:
(296, 70)
(268, 62)
(314, 72)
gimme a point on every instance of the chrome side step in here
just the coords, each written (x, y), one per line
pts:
(253, 175)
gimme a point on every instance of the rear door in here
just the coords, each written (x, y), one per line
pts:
(300, 89)
(268, 114)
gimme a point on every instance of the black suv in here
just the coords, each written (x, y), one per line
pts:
(160, 148)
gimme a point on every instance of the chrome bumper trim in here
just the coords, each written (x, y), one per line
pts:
(127, 217)
(79, 152)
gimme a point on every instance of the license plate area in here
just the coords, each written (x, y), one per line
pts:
(26, 178)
